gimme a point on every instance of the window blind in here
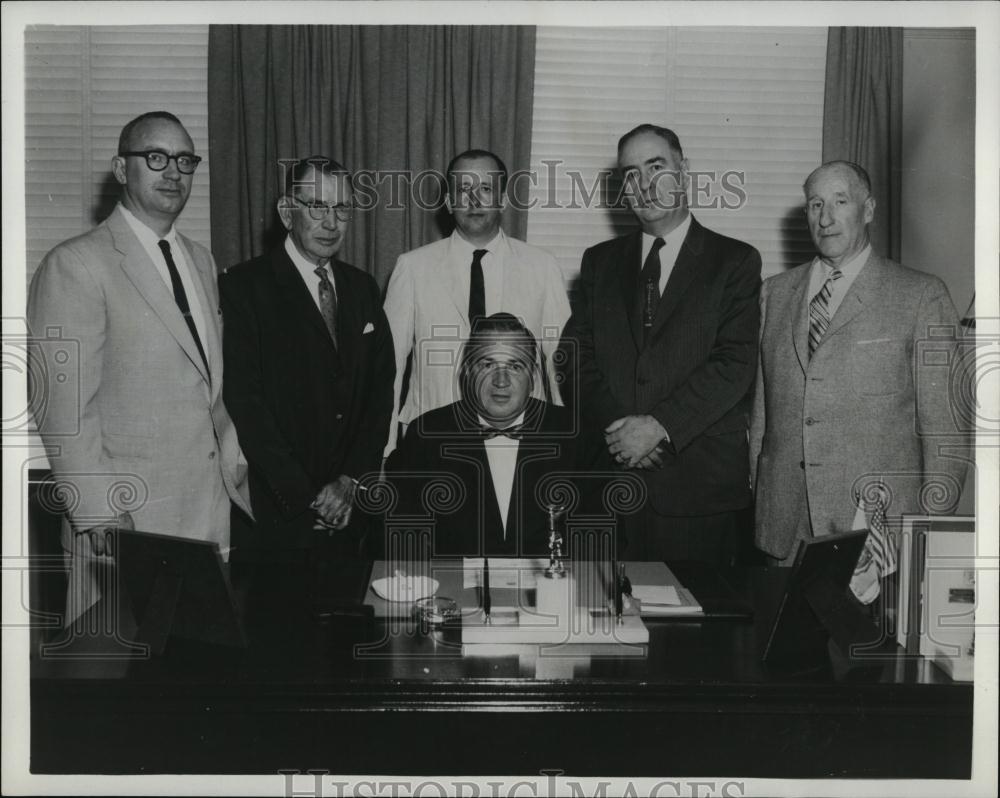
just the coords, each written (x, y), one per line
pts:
(82, 85)
(744, 101)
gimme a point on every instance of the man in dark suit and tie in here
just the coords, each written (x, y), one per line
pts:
(505, 449)
(661, 352)
(309, 364)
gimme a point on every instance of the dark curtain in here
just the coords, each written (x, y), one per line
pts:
(863, 118)
(396, 99)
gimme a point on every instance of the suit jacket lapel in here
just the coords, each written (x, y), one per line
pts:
(684, 271)
(143, 274)
(295, 294)
(628, 272)
(861, 294)
(203, 272)
(459, 283)
(349, 329)
(799, 319)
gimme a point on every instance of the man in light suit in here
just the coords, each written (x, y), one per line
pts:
(845, 396)
(660, 353)
(309, 370)
(436, 290)
(140, 301)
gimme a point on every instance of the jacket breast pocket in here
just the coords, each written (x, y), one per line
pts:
(128, 437)
(881, 366)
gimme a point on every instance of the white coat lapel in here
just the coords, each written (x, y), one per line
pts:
(460, 280)
(799, 327)
(203, 272)
(859, 296)
(147, 281)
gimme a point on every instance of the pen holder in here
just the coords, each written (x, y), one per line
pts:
(555, 599)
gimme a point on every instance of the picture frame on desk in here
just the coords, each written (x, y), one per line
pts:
(937, 593)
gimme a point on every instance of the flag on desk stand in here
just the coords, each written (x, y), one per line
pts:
(878, 558)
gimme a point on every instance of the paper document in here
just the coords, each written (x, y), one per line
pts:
(505, 572)
(656, 594)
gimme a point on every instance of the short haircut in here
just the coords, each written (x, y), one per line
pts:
(302, 167)
(663, 132)
(471, 154)
(125, 137)
(485, 332)
(857, 170)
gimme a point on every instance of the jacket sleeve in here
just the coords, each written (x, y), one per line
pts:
(243, 391)
(400, 311)
(758, 415)
(728, 373)
(67, 320)
(368, 445)
(555, 314)
(584, 385)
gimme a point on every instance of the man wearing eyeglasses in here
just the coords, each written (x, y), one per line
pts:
(309, 368)
(143, 440)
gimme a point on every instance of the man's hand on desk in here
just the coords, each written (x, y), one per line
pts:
(100, 538)
(635, 441)
(333, 503)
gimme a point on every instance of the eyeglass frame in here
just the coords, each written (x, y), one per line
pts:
(339, 209)
(144, 154)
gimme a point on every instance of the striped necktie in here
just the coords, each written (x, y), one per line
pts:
(327, 303)
(819, 311)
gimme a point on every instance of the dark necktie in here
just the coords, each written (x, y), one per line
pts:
(180, 297)
(477, 288)
(515, 432)
(327, 303)
(819, 311)
(649, 286)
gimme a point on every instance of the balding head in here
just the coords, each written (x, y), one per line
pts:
(857, 176)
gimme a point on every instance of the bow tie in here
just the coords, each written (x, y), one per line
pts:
(515, 432)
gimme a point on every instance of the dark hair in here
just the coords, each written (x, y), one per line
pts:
(303, 166)
(664, 133)
(470, 154)
(858, 171)
(126, 134)
(484, 332)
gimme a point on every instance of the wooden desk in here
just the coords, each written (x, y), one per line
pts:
(354, 696)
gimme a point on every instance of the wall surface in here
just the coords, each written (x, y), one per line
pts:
(939, 159)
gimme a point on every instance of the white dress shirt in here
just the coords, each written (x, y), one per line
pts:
(501, 453)
(668, 252)
(849, 271)
(461, 253)
(307, 270)
(150, 243)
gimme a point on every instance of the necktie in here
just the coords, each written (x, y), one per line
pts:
(819, 311)
(180, 297)
(477, 288)
(649, 285)
(327, 303)
(515, 432)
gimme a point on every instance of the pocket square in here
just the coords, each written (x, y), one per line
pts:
(369, 327)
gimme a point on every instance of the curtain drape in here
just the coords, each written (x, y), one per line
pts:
(392, 102)
(863, 118)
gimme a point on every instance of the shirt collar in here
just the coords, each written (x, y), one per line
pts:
(144, 233)
(516, 422)
(305, 267)
(465, 248)
(674, 237)
(851, 268)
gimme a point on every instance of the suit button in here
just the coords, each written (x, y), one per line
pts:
(339, 416)
(802, 464)
(810, 421)
(211, 455)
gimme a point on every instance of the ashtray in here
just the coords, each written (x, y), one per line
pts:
(435, 610)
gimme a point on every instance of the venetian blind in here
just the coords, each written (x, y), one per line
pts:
(747, 102)
(82, 85)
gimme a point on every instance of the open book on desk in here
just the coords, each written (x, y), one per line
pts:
(659, 591)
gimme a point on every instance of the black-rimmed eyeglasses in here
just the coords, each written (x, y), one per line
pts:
(157, 160)
(318, 211)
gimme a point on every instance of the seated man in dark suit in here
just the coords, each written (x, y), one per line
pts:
(506, 449)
